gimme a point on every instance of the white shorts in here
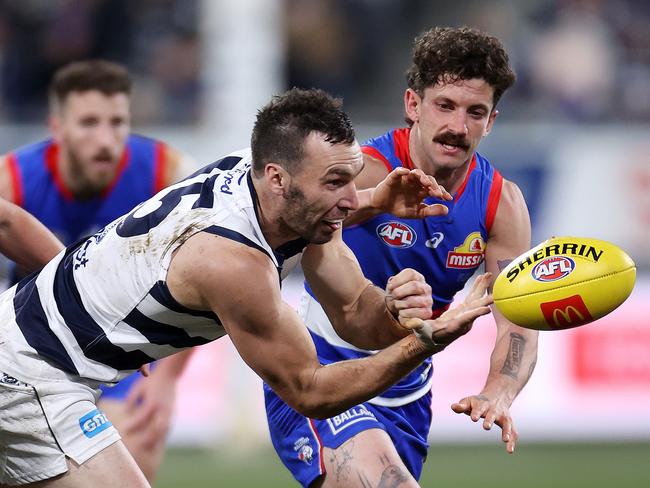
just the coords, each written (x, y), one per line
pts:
(42, 426)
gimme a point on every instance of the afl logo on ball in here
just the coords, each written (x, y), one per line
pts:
(553, 269)
(396, 234)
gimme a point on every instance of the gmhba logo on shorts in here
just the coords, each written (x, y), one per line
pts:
(94, 423)
(396, 234)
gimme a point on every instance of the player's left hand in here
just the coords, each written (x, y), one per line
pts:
(403, 191)
(149, 409)
(492, 411)
(409, 295)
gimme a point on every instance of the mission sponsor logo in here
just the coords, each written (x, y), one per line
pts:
(583, 250)
(565, 313)
(553, 269)
(396, 234)
(468, 255)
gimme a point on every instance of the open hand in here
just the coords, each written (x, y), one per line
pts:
(493, 411)
(403, 191)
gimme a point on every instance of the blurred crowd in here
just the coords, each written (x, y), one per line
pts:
(158, 40)
(576, 60)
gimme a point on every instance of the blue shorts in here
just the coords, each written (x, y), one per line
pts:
(121, 390)
(299, 441)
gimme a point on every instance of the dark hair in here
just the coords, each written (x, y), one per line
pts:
(450, 54)
(283, 124)
(104, 76)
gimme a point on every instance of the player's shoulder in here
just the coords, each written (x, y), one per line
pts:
(210, 259)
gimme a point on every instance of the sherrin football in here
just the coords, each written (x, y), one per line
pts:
(564, 282)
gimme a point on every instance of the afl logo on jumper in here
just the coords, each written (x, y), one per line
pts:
(396, 234)
(553, 269)
(468, 255)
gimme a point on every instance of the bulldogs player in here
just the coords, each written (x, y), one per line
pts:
(454, 84)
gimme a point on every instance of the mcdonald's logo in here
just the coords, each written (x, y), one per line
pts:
(566, 313)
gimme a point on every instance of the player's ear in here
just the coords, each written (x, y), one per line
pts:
(412, 104)
(54, 125)
(277, 178)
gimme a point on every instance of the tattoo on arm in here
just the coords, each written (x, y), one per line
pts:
(512, 363)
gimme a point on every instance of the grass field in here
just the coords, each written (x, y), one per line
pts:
(459, 466)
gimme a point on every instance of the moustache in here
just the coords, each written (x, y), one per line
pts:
(452, 140)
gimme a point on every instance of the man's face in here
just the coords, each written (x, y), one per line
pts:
(450, 120)
(321, 195)
(91, 129)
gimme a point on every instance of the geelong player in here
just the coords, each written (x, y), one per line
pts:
(454, 84)
(202, 258)
(91, 171)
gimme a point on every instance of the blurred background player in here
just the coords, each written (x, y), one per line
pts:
(457, 77)
(91, 171)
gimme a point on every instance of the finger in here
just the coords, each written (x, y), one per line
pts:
(479, 287)
(508, 433)
(434, 210)
(419, 312)
(479, 410)
(394, 178)
(490, 416)
(473, 313)
(405, 276)
(144, 370)
(462, 406)
(410, 289)
(417, 293)
(411, 323)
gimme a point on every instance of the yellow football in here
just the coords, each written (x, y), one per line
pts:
(564, 282)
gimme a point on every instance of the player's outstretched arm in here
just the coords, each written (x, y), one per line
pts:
(243, 290)
(24, 240)
(515, 351)
(362, 314)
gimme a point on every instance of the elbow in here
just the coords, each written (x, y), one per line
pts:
(315, 409)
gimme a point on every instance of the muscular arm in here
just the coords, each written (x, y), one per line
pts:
(24, 240)
(243, 291)
(515, 351)
(355, 307)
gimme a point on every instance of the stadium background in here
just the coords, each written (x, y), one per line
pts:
(573, 133)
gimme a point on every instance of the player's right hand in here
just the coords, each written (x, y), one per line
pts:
(457, 321)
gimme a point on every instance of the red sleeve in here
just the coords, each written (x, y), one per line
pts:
(493, 200)
(373, 152)
(160, 167)
(16, 181)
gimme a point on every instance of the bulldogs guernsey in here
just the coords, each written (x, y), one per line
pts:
(447, 250)
(39, 188)
(101, 308)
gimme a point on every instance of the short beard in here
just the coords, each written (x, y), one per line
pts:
(298, 218)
